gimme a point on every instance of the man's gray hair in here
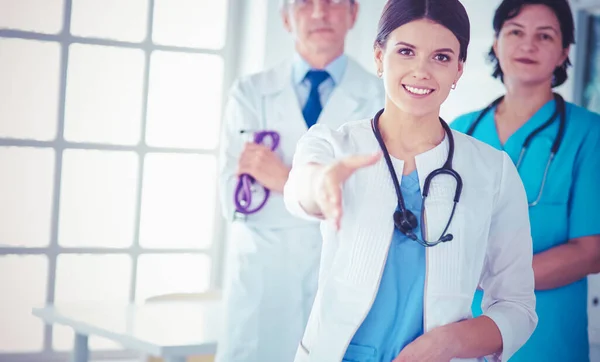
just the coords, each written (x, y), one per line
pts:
(284, 3)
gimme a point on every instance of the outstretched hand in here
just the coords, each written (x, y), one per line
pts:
(328, 193)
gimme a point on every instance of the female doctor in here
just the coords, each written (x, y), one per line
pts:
(417, 216)
(555, 145)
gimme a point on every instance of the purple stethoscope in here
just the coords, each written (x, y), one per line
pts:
(242, 196)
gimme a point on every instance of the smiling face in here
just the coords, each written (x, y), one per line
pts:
(529, 46)
(420, 63)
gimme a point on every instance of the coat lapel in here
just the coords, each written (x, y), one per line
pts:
(281, 102)
(340, 107)
(438, 208)
(347, 99)
(284, 107)
(347, 102)
(361, 254)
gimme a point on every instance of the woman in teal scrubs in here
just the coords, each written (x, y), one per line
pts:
(530, 53)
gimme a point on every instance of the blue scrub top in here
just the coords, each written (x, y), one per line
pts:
(568, 209)
(396, 316)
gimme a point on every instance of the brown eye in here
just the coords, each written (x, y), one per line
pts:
(516, 32)
(442, 58)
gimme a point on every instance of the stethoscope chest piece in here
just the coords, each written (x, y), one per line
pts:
(405, 221)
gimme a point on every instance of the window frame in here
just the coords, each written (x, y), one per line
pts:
(215, 252)
(583, 13)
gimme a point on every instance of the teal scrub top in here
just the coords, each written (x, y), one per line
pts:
(396, 316)
(569, 208)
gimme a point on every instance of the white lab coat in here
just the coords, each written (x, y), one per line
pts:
(492, 245)
(273, 257)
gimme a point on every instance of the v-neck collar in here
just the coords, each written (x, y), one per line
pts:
(514, 143)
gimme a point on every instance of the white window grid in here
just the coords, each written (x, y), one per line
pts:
(215, 252)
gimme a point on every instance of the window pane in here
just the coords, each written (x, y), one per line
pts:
(184, 101)
(164, 274)
(178, 201)
(90, 278)
(21, 331)
(110, 19)
(26, 191)
(42, 16)
(591, 82)
(190, 23)
(104, 94)
(98, 198)
(29, 85)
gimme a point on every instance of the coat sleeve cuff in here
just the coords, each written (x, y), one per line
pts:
(506, 331)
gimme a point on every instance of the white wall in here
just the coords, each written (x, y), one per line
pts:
(268, 43)
(252, 32)
(359, 45)
(271, 44)
(477, 88)
(265, 26)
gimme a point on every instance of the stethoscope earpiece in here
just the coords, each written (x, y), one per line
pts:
(445, 238)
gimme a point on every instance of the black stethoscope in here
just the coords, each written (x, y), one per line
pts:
(560, 110)
(404, 219)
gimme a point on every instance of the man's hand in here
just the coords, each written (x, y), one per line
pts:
(263, 164)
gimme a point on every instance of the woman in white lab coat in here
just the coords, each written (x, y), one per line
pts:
(416, 216)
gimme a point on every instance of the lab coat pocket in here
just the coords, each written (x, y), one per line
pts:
(360, 353)
(302, 354)
(311, 331)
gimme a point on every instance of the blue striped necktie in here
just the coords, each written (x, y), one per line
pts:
(313, 106)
